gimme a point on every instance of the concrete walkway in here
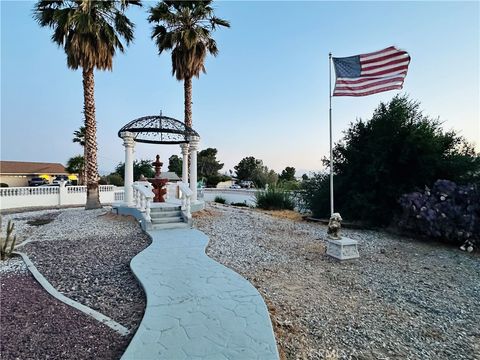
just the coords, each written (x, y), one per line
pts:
(196, 307)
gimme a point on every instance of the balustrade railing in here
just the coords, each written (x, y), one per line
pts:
(27, 191)
(142, 197)
(186, 199)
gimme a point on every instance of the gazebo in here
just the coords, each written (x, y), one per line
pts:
(159, 129)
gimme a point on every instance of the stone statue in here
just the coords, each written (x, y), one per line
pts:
(334, 226)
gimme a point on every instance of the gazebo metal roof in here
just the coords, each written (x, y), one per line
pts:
(159, 129)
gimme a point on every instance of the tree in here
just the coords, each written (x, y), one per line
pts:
(288, 174)
(90, 32)
(208, 167)
(79, 137)
(247, 168)
(142, 167)
(253, 169)
(76, 165)
(397, 151)
(185, 28)
(175, 164)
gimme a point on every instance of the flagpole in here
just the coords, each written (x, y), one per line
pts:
(330, 121)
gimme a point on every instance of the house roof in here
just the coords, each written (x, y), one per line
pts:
(31, 168)
(169, 175)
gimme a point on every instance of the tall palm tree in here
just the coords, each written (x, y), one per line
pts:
(90, 32)
(185, 28)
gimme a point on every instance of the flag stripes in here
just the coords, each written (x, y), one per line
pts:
(371, 73)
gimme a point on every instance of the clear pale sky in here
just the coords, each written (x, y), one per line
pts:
(265, 95)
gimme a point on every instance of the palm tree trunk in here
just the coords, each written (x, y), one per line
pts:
(187, 86)
(91, 167)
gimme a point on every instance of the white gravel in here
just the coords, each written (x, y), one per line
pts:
(12, 266)
(403, 299)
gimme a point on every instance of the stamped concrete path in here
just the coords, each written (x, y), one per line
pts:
(196, 307)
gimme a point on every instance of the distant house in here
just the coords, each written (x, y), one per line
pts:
(17, 173)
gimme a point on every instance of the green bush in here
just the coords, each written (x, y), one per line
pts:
(3, 185)
(396, 152)
(239, 204)
(115, 179)
(274, 198)
(220, 200)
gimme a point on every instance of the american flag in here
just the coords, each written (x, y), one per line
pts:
(371, 73)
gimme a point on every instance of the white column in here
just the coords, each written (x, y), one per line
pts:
(129, 143)
(194, 140)
(184, 148)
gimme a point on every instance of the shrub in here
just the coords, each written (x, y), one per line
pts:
(448, 212)
(395, 152)
(244, 204)
(3, 185)
(274, 198)
(220, 200)
(115, 179)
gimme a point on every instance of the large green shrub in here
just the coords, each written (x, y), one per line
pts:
(274, 198)
(395, 152)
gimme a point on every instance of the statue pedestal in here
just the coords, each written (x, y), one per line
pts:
(343, 249)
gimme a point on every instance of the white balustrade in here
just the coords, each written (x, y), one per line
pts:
(186, 199)
(143, 196)
(18, 197)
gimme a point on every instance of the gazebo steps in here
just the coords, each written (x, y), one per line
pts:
(167, 220)
(165, 226)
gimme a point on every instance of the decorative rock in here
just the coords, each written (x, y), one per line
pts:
(343, 249)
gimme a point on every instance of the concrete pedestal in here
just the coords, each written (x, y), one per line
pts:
(343, 249)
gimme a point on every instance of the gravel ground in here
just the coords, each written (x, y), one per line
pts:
(402, 299)
(86, 256)
(34, 325)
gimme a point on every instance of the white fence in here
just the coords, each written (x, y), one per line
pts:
(231, 195)
(19, 197)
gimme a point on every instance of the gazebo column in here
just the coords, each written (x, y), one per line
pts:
(184, 148)
(193, 142)
(129, 143)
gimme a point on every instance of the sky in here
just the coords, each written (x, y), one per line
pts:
(265, 95)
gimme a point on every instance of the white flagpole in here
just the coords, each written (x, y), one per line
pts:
(331, 149)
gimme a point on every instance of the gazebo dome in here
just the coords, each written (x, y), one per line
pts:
(158, 129)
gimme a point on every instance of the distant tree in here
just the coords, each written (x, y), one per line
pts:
(175, 165)
(90, 33)
(142, 167)
(253, 169)
(397, 151)
(208, 164)
(304, 177)
(76, 165)
(114, 179)
(288, 174)
(185, 28)
(247, 168)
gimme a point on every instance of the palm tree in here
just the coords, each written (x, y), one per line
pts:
(90, 32)
(185, 28)
(79, 136)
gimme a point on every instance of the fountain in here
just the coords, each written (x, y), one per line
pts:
(158, 184)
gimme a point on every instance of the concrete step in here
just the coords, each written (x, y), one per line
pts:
(179, 225)
(164, 214)
(167, 220)
(165, 209)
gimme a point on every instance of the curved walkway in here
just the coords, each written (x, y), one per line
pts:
(196, 307)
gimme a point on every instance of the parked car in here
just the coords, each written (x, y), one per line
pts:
(37, 181)
(235, 186)
(58, 180)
